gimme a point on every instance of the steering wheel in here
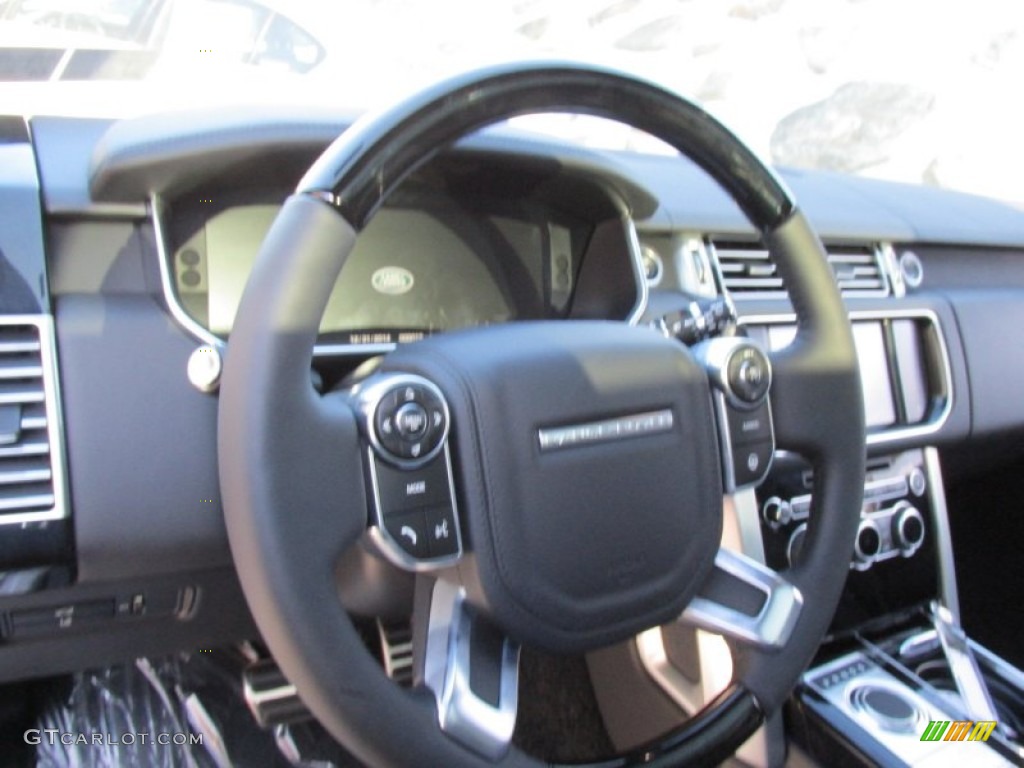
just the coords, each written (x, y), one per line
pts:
(557, 484)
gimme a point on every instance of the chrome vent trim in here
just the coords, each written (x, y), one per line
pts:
(748, 272)
(32, 479)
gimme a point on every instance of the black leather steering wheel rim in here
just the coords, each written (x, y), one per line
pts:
(286, 455)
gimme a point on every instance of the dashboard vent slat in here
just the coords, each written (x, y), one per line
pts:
(13, 341)
(12, 395)
(18, 501)
(33, 422)
(31, 479)
(755, 284)
(16, 369)
(858, 270)
(747, 270)
(28, 475)
(34, 446)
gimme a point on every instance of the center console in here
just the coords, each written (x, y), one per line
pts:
(905, 699)
(897, 682)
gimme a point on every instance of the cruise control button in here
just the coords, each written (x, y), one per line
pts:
(410, 394)
(386, 407)
(403, 489)
(391, 442)
(750, 426)
(429, 400)
(750, 462)
(384, 422)
(436, 422)
(408, 530)
(441, 531)
(434, 434)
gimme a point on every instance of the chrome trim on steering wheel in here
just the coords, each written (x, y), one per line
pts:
(771, 626)
(462, 714)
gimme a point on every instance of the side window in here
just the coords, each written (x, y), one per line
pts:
(286, 44)
(244, 32)
(232, 27)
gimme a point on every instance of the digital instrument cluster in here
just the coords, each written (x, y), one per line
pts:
(415, 270)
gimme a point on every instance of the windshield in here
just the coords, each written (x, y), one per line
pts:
(924, 92)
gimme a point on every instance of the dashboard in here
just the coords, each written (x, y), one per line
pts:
(133, 240)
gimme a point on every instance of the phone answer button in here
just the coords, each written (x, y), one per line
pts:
(408, 530)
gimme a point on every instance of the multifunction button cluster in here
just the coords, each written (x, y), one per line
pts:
(751, 442)
(406, 420)
(410, 422)
(417, 510)
(742, 375)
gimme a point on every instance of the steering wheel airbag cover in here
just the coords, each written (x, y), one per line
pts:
(591, 543)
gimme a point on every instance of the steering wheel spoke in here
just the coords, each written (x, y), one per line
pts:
(473, 671)
(746, 602)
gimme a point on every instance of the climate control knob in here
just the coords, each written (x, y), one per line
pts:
(776, 512)
(907, 529)
(867, 545)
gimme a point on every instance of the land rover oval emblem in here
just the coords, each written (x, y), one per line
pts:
(393, 281)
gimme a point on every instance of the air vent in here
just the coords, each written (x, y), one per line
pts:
(30, 485)
(748, 271)
(858, 270)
